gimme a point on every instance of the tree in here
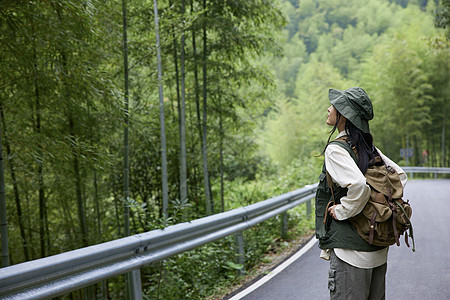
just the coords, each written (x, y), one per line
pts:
(161, 116)
(15, 185)
(126, 168)
(442, 49)
(443, 17)
(3, 217)
(183, 168)
(206, 180)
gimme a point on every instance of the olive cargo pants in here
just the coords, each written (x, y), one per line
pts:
(348, 282)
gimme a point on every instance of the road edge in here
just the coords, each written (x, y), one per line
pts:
(240, 293)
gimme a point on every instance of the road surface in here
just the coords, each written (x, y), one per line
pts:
(422, 275)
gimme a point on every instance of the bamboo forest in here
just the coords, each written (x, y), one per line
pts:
(121, 117)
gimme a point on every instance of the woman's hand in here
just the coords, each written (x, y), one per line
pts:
(332, 212)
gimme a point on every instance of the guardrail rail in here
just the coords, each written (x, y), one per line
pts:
(432, 170)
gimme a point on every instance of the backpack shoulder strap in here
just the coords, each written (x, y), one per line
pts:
(344, 142)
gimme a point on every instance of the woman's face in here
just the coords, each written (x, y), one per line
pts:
(332, 118)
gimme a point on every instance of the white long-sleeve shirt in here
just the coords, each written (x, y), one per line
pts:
(345, 172)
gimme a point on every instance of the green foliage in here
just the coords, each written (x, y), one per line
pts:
(197, 274)
(391, 51)
(268, 69)
(62, 117)
(296, 128)
(194, 273)
(398, 67)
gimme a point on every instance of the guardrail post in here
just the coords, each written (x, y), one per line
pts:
(239, 239)
(103, 289)
(136, 289)
(284, 225)
(89, 292)
(308, 209)
(136, 282)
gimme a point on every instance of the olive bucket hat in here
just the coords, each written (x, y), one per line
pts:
(354, 104)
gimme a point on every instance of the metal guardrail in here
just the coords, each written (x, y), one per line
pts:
(59, 274)
(426, 170)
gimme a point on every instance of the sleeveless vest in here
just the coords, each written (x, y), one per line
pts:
(334, 233)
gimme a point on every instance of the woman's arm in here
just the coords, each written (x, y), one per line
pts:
(345, 173)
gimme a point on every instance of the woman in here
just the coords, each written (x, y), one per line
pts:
(357, 269)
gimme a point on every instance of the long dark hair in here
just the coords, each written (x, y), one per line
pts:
(363, 142)
(338, 118)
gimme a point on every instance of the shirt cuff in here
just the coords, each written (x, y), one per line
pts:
(325, 254)
(338, 212)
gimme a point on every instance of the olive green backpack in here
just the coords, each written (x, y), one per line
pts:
(386, 216)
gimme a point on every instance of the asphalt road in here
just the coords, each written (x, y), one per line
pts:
(422, 275)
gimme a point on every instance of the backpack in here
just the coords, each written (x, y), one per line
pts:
(386, 216)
